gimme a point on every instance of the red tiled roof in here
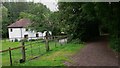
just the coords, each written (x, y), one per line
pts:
(20, 23)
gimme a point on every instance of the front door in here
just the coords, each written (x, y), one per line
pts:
(25, 36)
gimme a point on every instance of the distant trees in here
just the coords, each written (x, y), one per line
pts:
(10, 14)
(42, 18)
(4, 21)
(38, 14)
(79, 18)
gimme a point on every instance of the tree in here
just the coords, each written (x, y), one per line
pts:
(79, 17)
(4, 21)
(55, 24)
(14, 8)
(82, 19)
(10, 14)
(109, 15)
(39, 15)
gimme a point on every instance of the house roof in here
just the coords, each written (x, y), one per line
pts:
(20, 23)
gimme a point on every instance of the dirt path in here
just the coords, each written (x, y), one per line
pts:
(94, 54)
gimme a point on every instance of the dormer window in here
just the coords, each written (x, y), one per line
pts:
(11, 30)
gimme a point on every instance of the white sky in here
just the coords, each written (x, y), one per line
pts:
(51, 4)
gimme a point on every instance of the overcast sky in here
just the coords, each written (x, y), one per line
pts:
(51, 4)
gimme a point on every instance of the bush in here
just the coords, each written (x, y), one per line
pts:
(76, 41)
(24, 40)
(32, 40)
(16, 40)
(115, 43)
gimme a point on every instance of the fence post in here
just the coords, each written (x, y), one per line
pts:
(10, 56)
(55, 43)
(47, 42)
(23, 52)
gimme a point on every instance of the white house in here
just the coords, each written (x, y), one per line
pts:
(19, 31)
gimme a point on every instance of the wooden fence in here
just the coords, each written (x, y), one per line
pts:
(10, 53)
(23, 49)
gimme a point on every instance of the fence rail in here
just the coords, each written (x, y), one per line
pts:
(32, 49)
(11, 49)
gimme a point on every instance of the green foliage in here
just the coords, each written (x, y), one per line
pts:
(39, 15)
(55, 23)
(16, 40)
(115, 43)
(14, 9)
(79, 18)
(26, 15)
(24, 40)
(109, 16)
(85, 19)
(10, 13)
(5, 21)
(76, 41)
(42, 18)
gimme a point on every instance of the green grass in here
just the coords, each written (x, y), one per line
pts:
(6, 44)
(55, 57)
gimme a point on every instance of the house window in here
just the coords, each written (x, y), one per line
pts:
(25, 36)
(11, 30)
(26, 30)
(37, 35)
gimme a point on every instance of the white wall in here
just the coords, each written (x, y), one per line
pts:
(19, 33)
(16, 33)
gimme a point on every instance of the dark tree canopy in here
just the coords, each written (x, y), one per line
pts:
(85, 20)
(10, 14)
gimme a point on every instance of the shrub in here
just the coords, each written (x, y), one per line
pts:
(114, 43)
(24, 40)
(16, 40)
(32, 40)
(76, 41)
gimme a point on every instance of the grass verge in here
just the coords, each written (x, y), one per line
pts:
(55, 57)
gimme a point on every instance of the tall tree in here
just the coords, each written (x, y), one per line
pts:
(55, 24)
(39, 15)
(4, 21)
(109, 15)
(12, 10)
(79, 17)
(82, 19)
